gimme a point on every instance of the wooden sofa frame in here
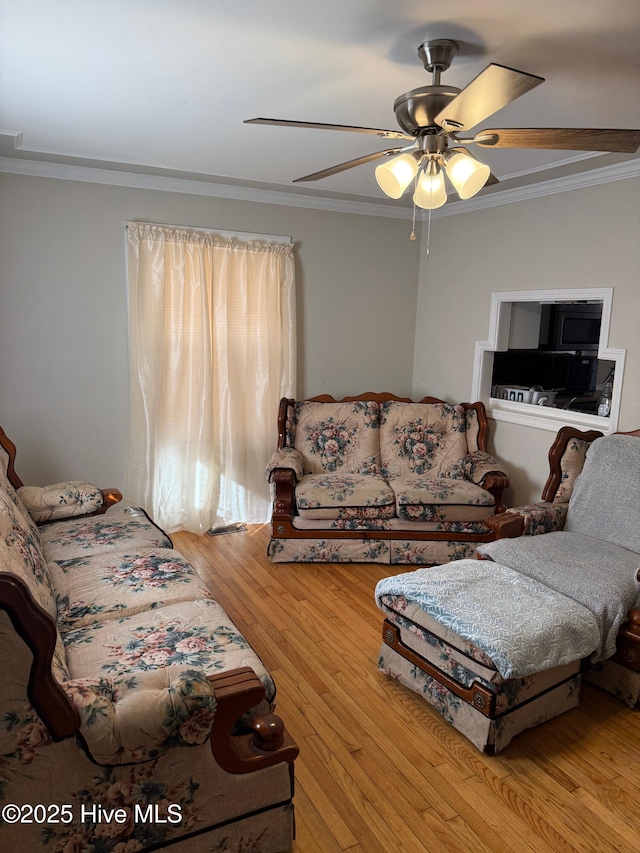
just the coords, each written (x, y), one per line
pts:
(284, 482)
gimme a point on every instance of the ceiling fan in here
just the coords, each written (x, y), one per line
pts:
(433, 117)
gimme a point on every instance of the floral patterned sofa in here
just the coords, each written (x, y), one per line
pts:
(133, 713)
(380, 478)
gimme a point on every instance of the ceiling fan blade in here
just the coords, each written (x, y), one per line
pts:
(314, 125)
(491, 180)
(342, 167)
(568, 139)
(492, 89)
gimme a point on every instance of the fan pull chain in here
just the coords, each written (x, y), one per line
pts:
(428, 232)
(412, 236)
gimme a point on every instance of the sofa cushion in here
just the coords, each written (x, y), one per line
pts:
(129, 528)
(126, 720)
(421, 438)
(344, 496)
(605, 502)
(121, 583)
(196, 634)
(62, 500)
(441, 499)
(339, 437)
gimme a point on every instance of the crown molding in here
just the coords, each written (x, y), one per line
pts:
(590, 178)
(138, 180)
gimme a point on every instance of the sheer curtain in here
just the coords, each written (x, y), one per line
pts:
(212, 351)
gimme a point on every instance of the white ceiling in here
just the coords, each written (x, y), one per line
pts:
(163, 86)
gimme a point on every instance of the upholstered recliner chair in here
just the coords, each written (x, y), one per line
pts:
(501, 644)
(590, 518)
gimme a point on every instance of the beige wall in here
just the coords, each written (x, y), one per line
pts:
(63, 310)
(583, 238)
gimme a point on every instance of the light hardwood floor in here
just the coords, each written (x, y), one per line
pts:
(379, 770)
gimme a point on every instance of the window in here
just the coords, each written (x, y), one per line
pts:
(554, 341)
(212, 351)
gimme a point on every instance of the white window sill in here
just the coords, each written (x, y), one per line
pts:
(545, 417)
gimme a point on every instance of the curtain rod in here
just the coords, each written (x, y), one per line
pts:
(246, 236)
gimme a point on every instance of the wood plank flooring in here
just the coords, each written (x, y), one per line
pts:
(378, 769)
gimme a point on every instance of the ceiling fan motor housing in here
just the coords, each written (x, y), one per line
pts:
(416, 110)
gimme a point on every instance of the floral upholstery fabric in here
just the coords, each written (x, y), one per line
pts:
(466, 665)
(35, 769)
(126, 528)
(344, 496)
(542, 517)
(140, 685)
(485, 733)
(61, 500)
(363, 523)
(441, 499)
(287, 457)
(21, 552)
(387, 468)
(128, 719)
(475, 467)
(571, 465)
(389, 551)
(121, 583)
(421, 438)
(473, 430)
(338, 437)
(195, 634)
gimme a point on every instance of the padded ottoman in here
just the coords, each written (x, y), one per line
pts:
(493, 651)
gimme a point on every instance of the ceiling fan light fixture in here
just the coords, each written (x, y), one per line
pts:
(430, 192)
(395, 176)
(467, 174)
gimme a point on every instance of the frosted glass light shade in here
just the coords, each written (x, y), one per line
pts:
(467, 174)
(430, 192)
(395, 176)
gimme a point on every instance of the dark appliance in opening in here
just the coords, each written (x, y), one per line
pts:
(570, 374)
(571, 327)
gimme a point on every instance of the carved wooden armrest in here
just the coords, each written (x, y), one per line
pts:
(506, 525)
(109, 498)
(533, 520)
(237, 691)
(38, 631)
(628, 642)
(284, 481)
(496, 482)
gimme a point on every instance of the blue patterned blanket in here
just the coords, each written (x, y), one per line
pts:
(524, 626)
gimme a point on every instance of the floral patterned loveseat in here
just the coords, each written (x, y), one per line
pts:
(380, 478)
(133, 713)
